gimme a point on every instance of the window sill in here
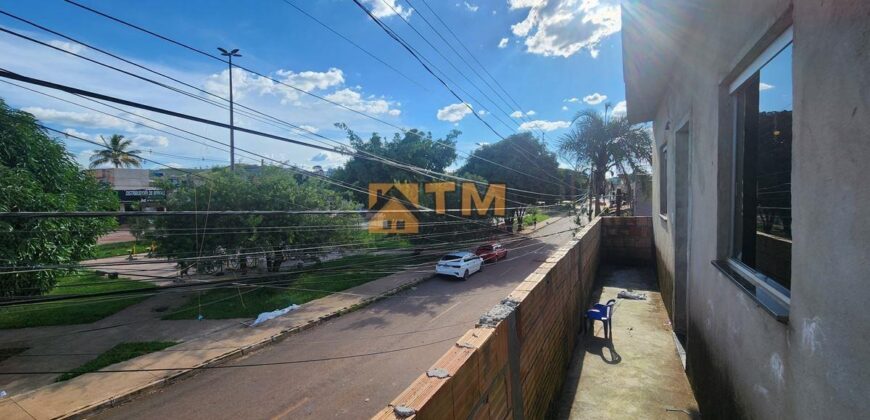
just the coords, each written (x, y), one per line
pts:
(771, 305)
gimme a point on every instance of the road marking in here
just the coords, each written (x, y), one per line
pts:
(445, 311)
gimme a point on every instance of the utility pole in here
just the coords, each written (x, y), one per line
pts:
(230, 55)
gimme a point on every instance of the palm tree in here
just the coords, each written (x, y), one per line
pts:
(603, 145)
(116, 153)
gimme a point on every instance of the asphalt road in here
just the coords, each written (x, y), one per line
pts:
(354, 365)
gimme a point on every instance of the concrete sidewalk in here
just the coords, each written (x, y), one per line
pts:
(637, 374)
(213, 344)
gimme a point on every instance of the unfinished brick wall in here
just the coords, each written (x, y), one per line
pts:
(627, 240)
(514, 368)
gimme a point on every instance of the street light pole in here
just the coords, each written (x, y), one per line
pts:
(230, 55)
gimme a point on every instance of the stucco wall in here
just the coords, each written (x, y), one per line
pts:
(743, 362)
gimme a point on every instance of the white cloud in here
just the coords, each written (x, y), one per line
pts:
(620, 109)
(564, 27)
(594, 99)
(471, 7)
(245, 83)
(149, 141)
(387, 8)
(765, 86)
(328, 159)
(564, 108)
(355, 101)
(68, 46)
(517, 114)
(503, 43)
(531, 112)
(310, 80)
(482, 112)
(75, 133)
(453, 112)
(309, 128)
(543, 125)
(572, 100)
(79, 119)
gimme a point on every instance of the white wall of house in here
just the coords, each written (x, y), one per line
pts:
(741, 359)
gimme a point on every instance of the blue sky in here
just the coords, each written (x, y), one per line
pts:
(549, 55)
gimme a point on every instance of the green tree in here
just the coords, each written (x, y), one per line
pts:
(414, 148)
(38, 174)
(269, 188)
(600, 144)
(533, 168)
(117, 153)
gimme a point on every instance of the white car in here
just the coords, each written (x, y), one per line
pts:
(459, 264)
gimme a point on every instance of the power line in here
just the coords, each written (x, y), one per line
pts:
(351, 42)
(449, 62)
(242, 365)
(212, 56)
(416, 55)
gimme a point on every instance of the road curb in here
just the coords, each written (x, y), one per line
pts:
(132, 394)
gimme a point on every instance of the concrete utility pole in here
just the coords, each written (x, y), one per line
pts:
(230, 55)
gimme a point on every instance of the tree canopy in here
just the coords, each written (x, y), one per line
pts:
(261, 188)
(532, 168)
(600, 144)
(413, 148)
(117, 153)
(38, 174)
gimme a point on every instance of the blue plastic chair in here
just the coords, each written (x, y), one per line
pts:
(603, 313)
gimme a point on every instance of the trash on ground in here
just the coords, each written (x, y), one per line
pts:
(265, 316)
(628, 294)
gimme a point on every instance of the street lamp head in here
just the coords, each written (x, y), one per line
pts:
(233, 53)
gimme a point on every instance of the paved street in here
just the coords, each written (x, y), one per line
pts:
(353, 366)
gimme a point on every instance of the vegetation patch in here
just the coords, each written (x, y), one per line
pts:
(74, 311)
(117, 249)
(314, 282)
(117, 354)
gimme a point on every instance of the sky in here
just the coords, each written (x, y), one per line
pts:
(552, 58)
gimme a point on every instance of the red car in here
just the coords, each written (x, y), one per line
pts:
(491, 252)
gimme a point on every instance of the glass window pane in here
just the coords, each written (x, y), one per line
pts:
(762, 222)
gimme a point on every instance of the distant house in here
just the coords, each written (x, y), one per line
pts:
(760, 196)
(133, 187)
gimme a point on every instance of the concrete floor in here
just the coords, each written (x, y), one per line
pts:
(637, 374)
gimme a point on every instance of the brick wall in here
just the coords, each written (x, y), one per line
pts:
(514, 368)
(627, 240)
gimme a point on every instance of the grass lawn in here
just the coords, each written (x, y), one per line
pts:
(529, 219)
(117, 249)
(236, 303)
(75, 311)
(117, 354)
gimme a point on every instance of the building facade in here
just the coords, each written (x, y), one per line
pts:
(134, 188)
(761, 120)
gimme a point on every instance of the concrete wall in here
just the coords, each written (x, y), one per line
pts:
(514, 363)
(742, 362)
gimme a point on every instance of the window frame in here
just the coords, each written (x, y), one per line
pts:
(775, 298)
(663, 180)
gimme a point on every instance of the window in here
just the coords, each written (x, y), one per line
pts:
(663, 180)
(388, 224)
(400, 225)
(761, 231)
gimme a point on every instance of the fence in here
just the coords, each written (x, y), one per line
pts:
(513, 364)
